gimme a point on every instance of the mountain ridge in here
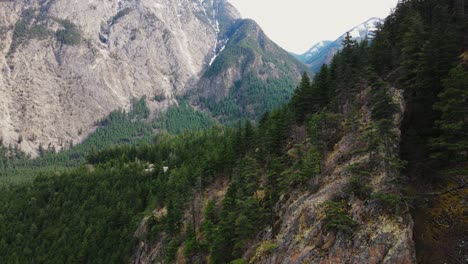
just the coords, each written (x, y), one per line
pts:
(322, 52)
(67, 64)
(367, 163)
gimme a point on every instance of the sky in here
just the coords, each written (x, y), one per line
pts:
(296, 25)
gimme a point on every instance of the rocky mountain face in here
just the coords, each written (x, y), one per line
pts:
(301, 236)
(249, 75)
(298, 233)
(65, 63)
(323, 52)
(356, 168)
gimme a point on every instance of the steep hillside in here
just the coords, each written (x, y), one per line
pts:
(250, 76)
(323, 52)
(367, 163)
(67, 64)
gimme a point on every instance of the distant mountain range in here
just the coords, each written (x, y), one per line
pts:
(323, 52)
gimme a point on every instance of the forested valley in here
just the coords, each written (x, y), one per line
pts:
(201, 192)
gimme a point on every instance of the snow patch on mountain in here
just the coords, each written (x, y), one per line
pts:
(322, 52)
(316, 48)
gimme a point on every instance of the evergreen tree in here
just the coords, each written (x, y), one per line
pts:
(302, 100)
(452, 144)
(348, 42)
(322, 89)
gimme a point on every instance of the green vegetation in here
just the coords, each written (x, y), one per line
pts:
(239, 46)
(119, 128)
(337, 217)
(33, 25)
(120, 14)
(358, 187)
(116, 129)
(421, 41)
(250, 99)
(183, 117)
(69, 35)
(418, 49)
(90, 213)
(267, 80)
(28, 27)
(81, 216)
(452, 144)
(195, 160)
(387, 202)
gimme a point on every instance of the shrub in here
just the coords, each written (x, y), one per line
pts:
(337, 217)
(266, 248)
(24, 31)
(120, 14)
(390, 203)
(357, 187)
(358, 168)
(69, 35)
(238, 261)
(159, 98)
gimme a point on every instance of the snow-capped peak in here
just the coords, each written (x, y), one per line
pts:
(322, 52)
(316, 48)
(362, 31)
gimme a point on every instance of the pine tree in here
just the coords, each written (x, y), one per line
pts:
(322, 90)
(348, 42)
(302, 100)
(413, 42)
(249, 135)
(452, 144)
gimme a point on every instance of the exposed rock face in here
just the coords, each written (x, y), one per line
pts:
(247, 51)
(146, 252)
(67, 63)
(301, 237)
(383, 233)
(247, 59)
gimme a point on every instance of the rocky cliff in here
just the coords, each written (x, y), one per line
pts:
(251, 75)
(379, 229)
(384, 232)
(66, 63)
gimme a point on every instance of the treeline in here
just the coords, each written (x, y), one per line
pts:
(261, 162)
(135, 127)
(250, 98)
(120, 127)
(418, 49)
(86, 216)
(182, 117)
(91, 214)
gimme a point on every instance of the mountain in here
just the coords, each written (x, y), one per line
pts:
(67, 64)
(322, 52)
(314, 51)
(250, 76)
(367, 163)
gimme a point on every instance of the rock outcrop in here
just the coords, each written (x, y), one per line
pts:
(381, 237)
(380, 227)
(67, 63)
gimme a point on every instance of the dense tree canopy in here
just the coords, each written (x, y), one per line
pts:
(90, 213)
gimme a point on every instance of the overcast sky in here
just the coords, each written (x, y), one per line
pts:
(298, 24)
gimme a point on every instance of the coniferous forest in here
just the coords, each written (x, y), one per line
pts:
(149, 188)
